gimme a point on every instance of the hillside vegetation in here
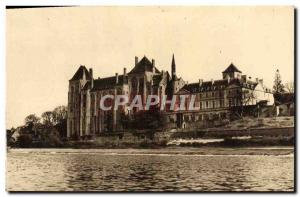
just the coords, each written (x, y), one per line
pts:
(270, 122)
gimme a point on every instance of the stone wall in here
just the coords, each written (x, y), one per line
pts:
(132, 138)
(159, 138)
(223, 133)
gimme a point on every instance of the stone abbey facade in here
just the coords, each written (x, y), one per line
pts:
(214, 98)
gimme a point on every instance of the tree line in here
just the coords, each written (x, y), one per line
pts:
(49, 130)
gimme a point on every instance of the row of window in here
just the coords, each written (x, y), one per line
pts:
(198, 117)
(217, 103)
(217, 93)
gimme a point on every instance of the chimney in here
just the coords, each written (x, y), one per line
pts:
(125, 81)
(212, 81)
(91, 72)
(117, 78)
(92, 80)
(136, 60)
(256, 79)
(153, 62)
(244, 78)
(261, 81)
(200, 82)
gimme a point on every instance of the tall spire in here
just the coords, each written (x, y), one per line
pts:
(173, 67)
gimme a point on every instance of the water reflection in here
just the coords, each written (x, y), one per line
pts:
(36, 171)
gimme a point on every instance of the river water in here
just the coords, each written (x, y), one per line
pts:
(114, 170)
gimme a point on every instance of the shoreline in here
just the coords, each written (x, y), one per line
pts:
(205, 151)
(237, 138)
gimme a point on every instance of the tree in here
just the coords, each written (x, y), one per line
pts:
(289, 86)
(248, 97)
(60, 114)
(49, 137)
(9, 133)
(24, 140)
(31, 120)
(278, 87)
(149, 119)
(47, 118)
(245, 97)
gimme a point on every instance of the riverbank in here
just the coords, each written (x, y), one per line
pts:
(215, 143)
(274, 150)
(196, 138)
(232, 136)
(165, 140)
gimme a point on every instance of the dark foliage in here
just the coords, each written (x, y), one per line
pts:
(50, 132)
(151, 119)
(24, 141)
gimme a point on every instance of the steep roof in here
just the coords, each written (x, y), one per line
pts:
(87, 85)
(173, 61)
(216, 85)
(156, 79)
(79, 74)
(108, 82)
(231, 68)
(142, 66)
(173, 66)
(195, 87)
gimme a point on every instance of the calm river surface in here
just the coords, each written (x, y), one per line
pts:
(122, 170)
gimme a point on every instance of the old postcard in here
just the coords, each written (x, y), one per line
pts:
(152, 99)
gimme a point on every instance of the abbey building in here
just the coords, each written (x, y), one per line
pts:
(213, 98)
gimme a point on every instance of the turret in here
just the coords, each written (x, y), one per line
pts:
(173, 68)
(232, 72)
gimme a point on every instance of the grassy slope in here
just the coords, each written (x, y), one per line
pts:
(190, 139)
(272, 122)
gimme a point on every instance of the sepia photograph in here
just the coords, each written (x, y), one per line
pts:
(150, 99)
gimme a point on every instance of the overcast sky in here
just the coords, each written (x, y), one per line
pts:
(45, 46)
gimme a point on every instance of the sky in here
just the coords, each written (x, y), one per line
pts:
(45, 47)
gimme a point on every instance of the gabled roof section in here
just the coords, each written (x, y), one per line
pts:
(87, 85)
(143, 66)
(108, 83)
(156, 79)
(80, 72)
(231, 68)
(183, 91)
(206, 86)
(217, 85)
